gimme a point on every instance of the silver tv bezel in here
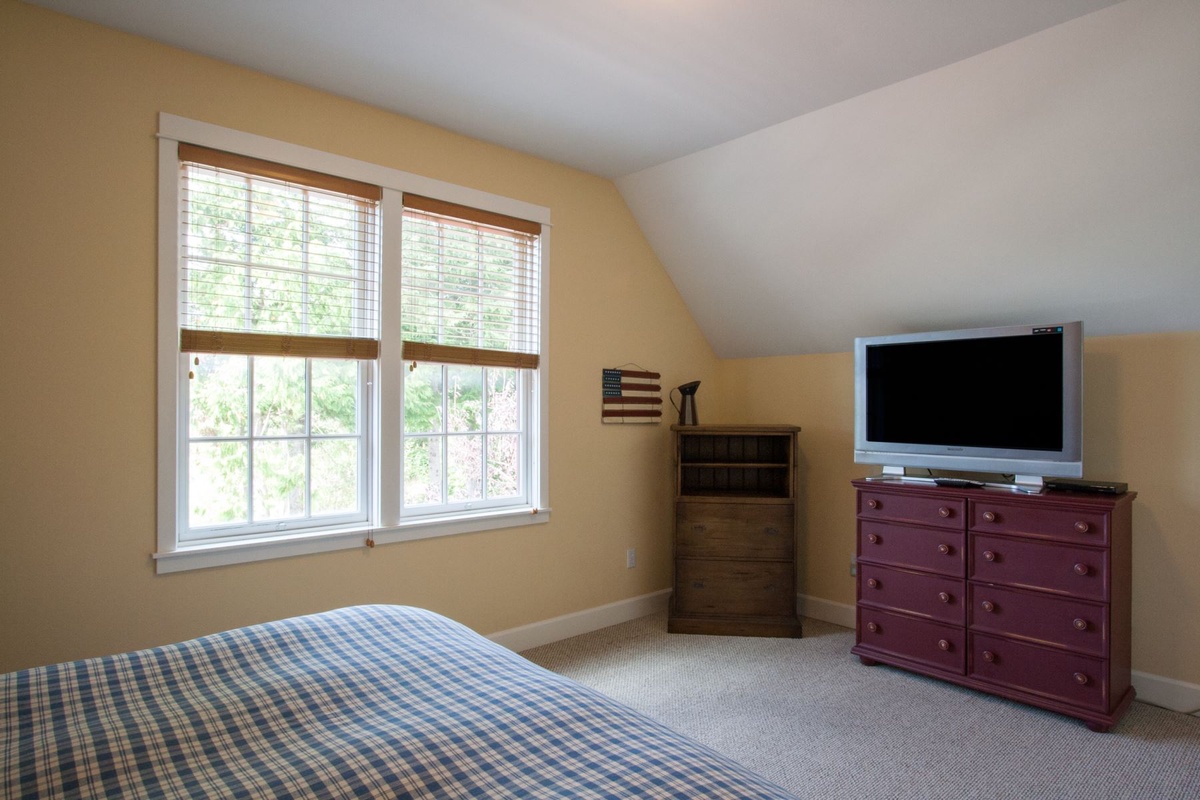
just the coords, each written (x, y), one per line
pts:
(1065, 463)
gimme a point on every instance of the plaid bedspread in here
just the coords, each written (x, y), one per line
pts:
(371, 701)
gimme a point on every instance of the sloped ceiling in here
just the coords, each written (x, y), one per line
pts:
(806, 170)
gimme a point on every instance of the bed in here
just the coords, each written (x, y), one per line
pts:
(369, 701)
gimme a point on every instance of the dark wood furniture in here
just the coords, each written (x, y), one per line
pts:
(1025, 596)
(735, 531)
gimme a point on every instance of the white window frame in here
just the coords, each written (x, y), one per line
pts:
(386, 523)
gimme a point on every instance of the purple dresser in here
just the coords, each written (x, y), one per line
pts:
(1023, 596)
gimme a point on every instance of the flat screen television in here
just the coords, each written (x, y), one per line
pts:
(1005, 400)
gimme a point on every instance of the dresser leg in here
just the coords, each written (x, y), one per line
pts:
(867, 662)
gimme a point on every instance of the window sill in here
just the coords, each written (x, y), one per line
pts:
(215, 554)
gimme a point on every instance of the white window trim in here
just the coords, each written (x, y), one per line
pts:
(174, 556)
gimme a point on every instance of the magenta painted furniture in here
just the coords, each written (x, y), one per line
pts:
(1024, 596)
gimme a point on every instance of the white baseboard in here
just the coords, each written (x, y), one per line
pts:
(536, 634)
(826, 610)
(1167, 692)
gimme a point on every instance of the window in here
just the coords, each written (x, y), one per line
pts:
(470, 325)
(342, 361)
(277, 267)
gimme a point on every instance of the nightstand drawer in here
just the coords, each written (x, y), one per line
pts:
(1064, 621)
(1058, 675)
(941, 512)
(1081, 526)
(731, 587)
(934, 596)
(929, 549)
(932, 644)
(734, 530)
(1060, 568)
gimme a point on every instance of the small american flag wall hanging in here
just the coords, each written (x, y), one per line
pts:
(631, 396)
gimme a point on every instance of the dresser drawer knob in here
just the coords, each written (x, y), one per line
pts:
(943, 512)
(772, 531)
(1082, 527)
(1082, 679)
(990, 516)
(1081, 569)
(874, 584)
(944, 597)
(872, 627)
(988, 555)
(944, 549)
(989, 656)
(872, 538)
(872, 503)
(698, 529)
(988, 606)
(944, 644)
(1080, 624)
(697, 584)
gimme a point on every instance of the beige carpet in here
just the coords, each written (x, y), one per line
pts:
(807, 715)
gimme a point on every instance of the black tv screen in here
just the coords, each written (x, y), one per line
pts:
(1004, 392)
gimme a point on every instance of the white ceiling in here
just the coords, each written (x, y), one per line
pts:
(894, 164)
(608, 86)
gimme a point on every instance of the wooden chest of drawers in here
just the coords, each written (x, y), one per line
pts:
(734, 541)
(1023, 596)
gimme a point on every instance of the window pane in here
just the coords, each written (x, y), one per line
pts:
(503, 403)
(218, 474)
(464, 468)
(277, 230)
(504, 466)
(422, 471)
(279, 480)
(220, 402)
(423, 399)
(330, 306)
(332, 225)
(334, 476)
(275, 301)
(278, 396)
(464, 407)
(334, 396)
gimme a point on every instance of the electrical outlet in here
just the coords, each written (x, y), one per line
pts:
(631, 558)
(853, 567)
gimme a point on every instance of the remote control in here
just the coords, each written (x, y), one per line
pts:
(958, 483)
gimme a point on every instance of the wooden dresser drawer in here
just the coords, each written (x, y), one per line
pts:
(940, 551)
(734, 530)
(934, 596)
(1081, 526)
(1059, 675)
(941, 512)
(1065, 621)
(740, 588)
(1060, 568)
(932, 644)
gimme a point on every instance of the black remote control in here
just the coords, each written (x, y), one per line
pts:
(958, 483)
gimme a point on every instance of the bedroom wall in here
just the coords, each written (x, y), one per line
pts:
(77, 392)
(1141, 426)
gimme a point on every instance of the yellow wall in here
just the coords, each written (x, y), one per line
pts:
(1141, 426)
(77, 368)
(77, 384)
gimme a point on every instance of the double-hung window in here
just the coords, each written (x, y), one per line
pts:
(279, 316)
(471, 326)
(344, 358)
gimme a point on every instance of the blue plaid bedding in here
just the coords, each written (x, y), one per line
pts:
(371, 701)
